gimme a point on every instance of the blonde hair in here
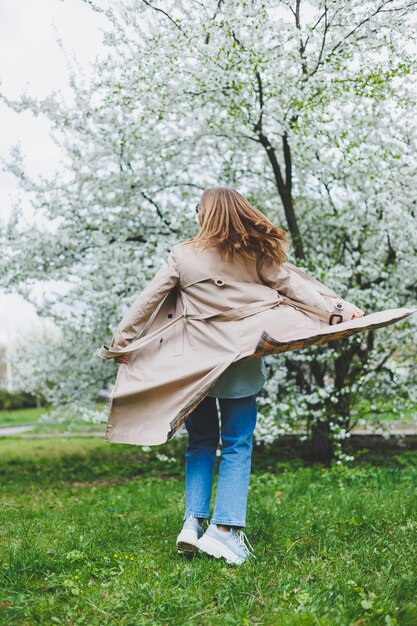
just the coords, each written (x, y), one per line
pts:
(232, 226)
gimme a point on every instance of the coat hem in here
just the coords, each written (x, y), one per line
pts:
(178, 421)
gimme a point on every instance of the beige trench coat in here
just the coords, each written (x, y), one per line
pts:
(196, 317)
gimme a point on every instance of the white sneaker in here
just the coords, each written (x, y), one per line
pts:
(189, 535)
(227, 545)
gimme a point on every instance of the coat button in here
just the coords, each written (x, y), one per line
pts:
(170, 315)
(339, 305)
(219, 281)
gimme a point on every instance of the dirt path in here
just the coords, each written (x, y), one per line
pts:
(16, 430)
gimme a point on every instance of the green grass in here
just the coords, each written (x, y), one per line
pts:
(21, 417)
(88, 537)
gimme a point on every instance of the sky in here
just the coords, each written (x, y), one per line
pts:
(31, 61)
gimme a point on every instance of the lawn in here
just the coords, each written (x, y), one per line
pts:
(88, 537)
(19, 417)
(22, 417)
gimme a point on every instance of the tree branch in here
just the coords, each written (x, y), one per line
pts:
(166, 15)
(288, 161)
(302, 47)
(364, 21)
(158, 210)
(283, 186)
(323, 41)
(258, 125)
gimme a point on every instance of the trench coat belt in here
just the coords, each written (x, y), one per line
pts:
(235, 313)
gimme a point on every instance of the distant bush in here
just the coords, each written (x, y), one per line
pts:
(16, 400)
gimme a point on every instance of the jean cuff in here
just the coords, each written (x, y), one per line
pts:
(203, 515)
(221, 522)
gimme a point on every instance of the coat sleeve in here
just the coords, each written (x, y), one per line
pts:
(294, 283)
(135, 319)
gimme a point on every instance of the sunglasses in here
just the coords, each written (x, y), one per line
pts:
(197, 207)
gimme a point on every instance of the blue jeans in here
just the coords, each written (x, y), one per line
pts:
(238, 420)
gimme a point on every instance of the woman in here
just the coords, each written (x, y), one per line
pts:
(232, 227)
(222, 300)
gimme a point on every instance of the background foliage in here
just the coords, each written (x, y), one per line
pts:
(306, 107)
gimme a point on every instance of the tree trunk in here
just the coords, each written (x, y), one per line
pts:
(284, 188)
(319, 447)
(287, 203)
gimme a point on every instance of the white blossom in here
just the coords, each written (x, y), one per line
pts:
(204, 94)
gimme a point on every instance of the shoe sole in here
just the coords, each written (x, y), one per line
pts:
(188, 549)
(186, 543)
(216, 548)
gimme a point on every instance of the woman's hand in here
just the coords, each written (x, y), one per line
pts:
(121, 359)
(357, 313)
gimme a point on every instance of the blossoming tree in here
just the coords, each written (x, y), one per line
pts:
(306, 107)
